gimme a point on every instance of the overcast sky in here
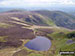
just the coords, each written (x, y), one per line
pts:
(36, 3)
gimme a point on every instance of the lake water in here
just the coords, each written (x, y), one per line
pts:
(40, 43)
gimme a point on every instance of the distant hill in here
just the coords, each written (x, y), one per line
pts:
(41, 17)
(4, 9)
(72, 13)
(16, 10)
(27, 17)
(60, 18)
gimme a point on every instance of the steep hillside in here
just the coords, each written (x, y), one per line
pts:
(44, 18)
(26, 17)
(60, 18)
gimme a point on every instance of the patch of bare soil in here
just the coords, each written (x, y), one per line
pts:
(21, 53)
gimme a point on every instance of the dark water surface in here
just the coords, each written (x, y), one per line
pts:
(40, 43)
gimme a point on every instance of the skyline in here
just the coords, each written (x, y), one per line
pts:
(36, 3)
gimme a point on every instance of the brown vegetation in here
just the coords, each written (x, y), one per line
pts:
(17, 33)
(14, 35)
(44, 32)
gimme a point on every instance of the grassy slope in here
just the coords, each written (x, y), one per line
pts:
(60, 18)
(46, 20)
(4, 25)
(60, 42)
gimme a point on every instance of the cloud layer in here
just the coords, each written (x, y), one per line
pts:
(33, 3)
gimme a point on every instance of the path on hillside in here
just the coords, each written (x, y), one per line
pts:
(37, 27)
(29, 26)
(33, 27)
